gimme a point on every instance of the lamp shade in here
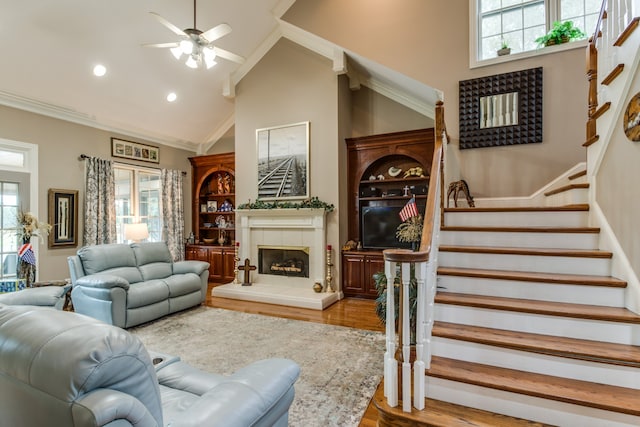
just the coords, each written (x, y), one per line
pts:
(136, 232)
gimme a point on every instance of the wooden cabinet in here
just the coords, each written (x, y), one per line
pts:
(383, 173)
(213, 213)
(221, 259)
(358, 269)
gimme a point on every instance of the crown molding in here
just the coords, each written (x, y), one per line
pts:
(70, 115)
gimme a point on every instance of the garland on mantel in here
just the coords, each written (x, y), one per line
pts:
(312, 203)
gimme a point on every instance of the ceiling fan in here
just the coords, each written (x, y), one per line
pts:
(195, 44)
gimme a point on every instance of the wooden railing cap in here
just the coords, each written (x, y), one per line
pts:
(405, 255)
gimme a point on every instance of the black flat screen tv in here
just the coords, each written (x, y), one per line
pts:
(378, 226)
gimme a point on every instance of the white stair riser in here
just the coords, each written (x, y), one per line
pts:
(622, 376)
(616, 332)
(575, 196)
(517, 219)
(520, 239)
(527, 407)
(542, 264)
(576, 294)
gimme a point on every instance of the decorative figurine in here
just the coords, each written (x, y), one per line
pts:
(247, 268)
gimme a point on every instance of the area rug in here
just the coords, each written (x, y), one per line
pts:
(340, 367)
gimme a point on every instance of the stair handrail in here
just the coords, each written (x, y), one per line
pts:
(423, 263)
(615, 20)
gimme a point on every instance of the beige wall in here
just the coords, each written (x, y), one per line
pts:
(60, 144)
(428, 40)
(226, 143)
(291, 85)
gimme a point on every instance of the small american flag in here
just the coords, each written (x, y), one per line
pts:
(410, 210)
(26, 253)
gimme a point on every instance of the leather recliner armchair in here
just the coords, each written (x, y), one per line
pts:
(66, 369)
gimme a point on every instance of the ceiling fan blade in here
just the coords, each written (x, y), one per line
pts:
(169, 25)
(216, 32)
(172, 44)
(228, 55)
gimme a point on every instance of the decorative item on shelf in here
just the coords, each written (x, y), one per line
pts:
(212, 206)
(236, 261)
(222, 238)
(329, 278)
(416, 171)
(394, 171)
(191, 239)
(317, 287)
(28, 226)
(207, 224)
(221, 221)
(207, 241)
(227, 183)
(369, 192)
(561, 32)
(226, 206)
(405, 191)
(359, 245)
(203, 207)
(372, 178)
(455, 188)
(220, 184)
(504, 48)
(380, 177)
(350, 245)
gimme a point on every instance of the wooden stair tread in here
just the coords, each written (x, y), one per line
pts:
(438, 413)
(601, 396)
(580, 253)
(541, 229)
(570, 208)
(595, 351)
(560, 309)
(578, 174)
(566, 188)
(531, 276)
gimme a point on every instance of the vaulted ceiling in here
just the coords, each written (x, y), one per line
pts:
(49, 49)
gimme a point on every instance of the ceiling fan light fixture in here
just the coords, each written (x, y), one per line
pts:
(191, 62)
(176, 52)
(186, 46)
(209, 57)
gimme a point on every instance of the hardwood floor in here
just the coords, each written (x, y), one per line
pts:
(351, 312)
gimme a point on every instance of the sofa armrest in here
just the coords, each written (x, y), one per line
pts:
(103, 406)
(190, 266)
(104, 281)
(261, 390)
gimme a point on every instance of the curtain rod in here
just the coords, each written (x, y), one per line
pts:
(84, 156)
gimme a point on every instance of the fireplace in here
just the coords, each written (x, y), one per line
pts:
(291, 261)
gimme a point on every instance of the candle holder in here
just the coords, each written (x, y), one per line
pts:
(329, 279)
(236, 261)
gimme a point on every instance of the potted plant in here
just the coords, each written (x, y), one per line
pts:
(562, 32)
(504, 48)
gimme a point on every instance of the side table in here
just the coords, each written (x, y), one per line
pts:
(68, 304)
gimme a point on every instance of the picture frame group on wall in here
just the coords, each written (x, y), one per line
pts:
(283, 162)
(134, 151)
(63, 217)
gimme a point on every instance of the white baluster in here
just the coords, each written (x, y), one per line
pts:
(406, 339)
(419, 366)
(390, 362)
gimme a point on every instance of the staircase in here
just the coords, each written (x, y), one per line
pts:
(529, 322)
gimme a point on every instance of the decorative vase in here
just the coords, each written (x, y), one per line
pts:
(26, 268)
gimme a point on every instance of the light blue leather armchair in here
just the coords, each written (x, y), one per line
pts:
(126, 285)
(65, 369)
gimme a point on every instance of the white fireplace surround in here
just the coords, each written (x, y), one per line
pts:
(284, 227)
(303, 227)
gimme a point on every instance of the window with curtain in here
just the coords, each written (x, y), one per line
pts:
(521, 22)
(138, 199)
(9, 202)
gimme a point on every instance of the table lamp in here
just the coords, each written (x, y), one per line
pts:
(136, 232)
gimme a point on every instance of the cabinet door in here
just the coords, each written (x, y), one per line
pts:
(373, 264)
(197, 253)
(216, 270)
(228, 262)
(353, 274)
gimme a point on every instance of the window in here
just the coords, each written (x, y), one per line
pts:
(138, 200)
(8, 234)
(520, 22)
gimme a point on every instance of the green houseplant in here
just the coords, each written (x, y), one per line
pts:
(504, 48)
(561, 32)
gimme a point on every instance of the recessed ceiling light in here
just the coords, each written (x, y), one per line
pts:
(99, 70)
(172, 97)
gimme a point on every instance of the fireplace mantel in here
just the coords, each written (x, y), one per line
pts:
(304, 227)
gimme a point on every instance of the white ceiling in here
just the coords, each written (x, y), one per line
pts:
(49, 48)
